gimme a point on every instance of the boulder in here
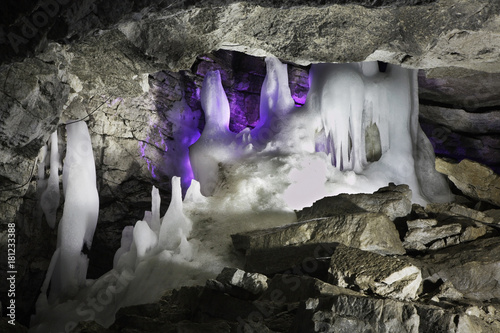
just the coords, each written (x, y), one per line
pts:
(473, 268)
(234, 278)
(473, 179)
(289, 288)
(367, 231)
(370, 272)
(393, 201)
(419, 238)
(312, 259)
(452, 228)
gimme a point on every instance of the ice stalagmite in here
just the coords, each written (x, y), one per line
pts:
(213, 146)
(175, 226)
(51, 196)
(81, 208)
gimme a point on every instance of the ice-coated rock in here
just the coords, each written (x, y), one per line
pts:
(50, 197)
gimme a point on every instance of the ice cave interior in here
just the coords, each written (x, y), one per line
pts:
(356, 131)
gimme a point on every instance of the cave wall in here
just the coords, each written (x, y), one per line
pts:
(125, 68)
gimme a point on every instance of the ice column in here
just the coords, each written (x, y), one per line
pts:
(81, 208)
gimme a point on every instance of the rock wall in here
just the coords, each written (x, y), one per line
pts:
(125, 68)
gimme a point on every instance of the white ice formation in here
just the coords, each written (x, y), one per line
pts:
(50, 197)
(68, 267)
(357, 131)
(148, 263)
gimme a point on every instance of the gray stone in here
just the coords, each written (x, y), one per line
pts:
(287, 288)
(472, 268)
(311, 258)
(367, 231)
(421, 223)
(460, 120)
(254, 283)
(473, 179)
(394, 201)
(416, 238)
(483, 148)
(469, 90)
(343, 313)
(494, 214)
(447, 292)
(451, 224)
(371, 272)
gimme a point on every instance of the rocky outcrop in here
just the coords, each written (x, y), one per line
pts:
(393, 201)
(472, 268)
(473, 179)
(314, 287)
(370, 272)
(367, 231)
(355, 314)
(296, 304)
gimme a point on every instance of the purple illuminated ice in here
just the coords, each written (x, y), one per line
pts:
(357, 131)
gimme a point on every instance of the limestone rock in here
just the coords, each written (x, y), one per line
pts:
(460, 120)
(394, 201)
(483, 148)
(342, 313)
(494, 214)
(472, 268)
(468, 91)
(448, 292)
(311, 258)
(371, 272)
(473, 179)
(289, 288)
(445, 224)
(254, 283)
(418, 238)
(367, 231)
